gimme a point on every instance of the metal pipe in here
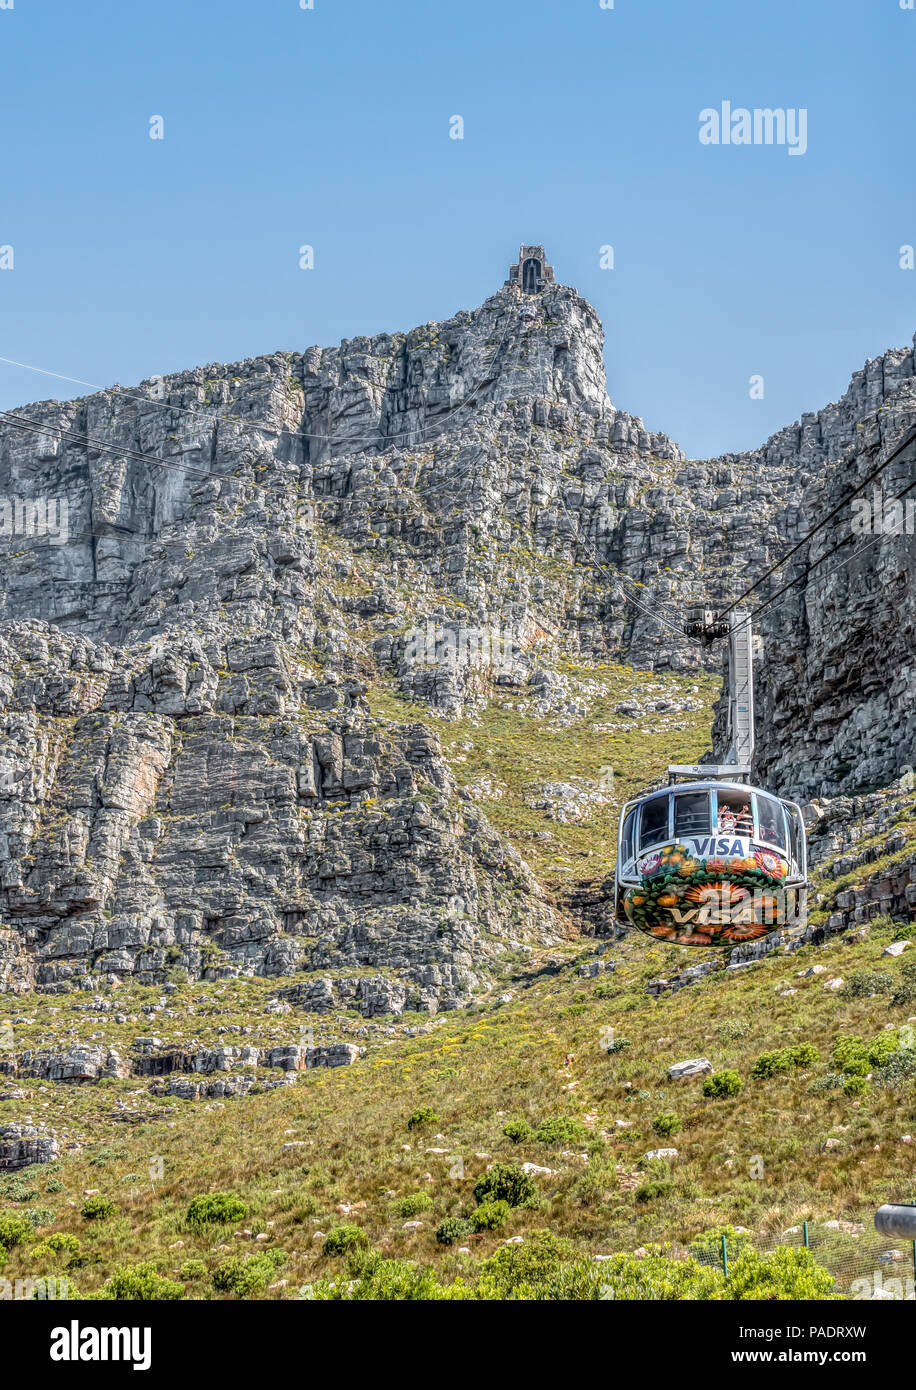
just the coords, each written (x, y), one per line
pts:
(897, 1219)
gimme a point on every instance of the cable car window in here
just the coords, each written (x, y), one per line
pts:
(795, 830)
(691, 814)
(626, 839)
(771, 822)
(735, 813)
(653, 828)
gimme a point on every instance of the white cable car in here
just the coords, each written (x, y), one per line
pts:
(713, 861)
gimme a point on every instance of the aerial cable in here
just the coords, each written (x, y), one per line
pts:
(826, 556)
(254, 424)
(821, 524)
(25, 422)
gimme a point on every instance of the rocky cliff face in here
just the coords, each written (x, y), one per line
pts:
(189, 770)
(837, 685)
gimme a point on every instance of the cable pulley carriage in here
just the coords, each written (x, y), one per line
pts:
(712, 860)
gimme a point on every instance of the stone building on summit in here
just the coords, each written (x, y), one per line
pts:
(532, 274)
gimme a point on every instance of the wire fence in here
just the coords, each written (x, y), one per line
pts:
(863, 1263)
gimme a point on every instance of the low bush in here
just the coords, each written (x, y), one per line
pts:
(666, 1125)
(561, 1129)
(651, 1191)
(784, 1059)
(830, 1081)
(60, 1247)
(489, 1216)
(519, 1131)
(14, 1230)
(426, 1115)
(507, 1182)
(215, 1208)
(139, 1283)
(97, 1208)
(453, 1229)
(247, 1274)
(342, 1238)
(722, 1085)
(413, 1204)
(865, 984)
(899, 1069)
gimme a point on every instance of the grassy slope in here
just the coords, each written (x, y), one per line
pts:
(478, 1069)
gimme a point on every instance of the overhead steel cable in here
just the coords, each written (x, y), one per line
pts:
(897, 451)
(472, 395)
(880, 535)
(25, 422)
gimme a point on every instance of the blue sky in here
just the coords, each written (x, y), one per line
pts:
(330, 127)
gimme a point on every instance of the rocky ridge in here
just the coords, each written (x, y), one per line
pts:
(191, 775)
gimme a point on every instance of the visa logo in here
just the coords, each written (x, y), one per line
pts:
(721, 845)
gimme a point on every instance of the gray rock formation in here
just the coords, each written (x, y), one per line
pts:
(23, 1144)
(190, 775)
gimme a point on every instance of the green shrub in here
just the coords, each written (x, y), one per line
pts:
(784, 1059)
(723, 1085)
(905, 992)
(666, 1125)
(61, 1247)
(140, 1282)
(617, 1045)
(855, 1086)
(389, 1281)
(525, 1271)
(39, 1216)
(850, 1055)
(342, 1238)
(769, 1064)
(865, 984)
(489, 1216)
(830, 1081)
(707, 1247)
(413, 1204)
(561, 1129)
(212, 1208)
(596, 1183)
(519, 1131)
(651, 1191)
(506, 1182)
(854, 1057)
(424, 1116)
(247, 1274)
(14, 1230)
(453, 1229)
(885, 1046)
(192, 1270)
(97, 1208)
(899, 1068)
(786, 1274)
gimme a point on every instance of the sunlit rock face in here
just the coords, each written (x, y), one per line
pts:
(205, 575)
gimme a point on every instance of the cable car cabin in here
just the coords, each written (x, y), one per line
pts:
(710, 864)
